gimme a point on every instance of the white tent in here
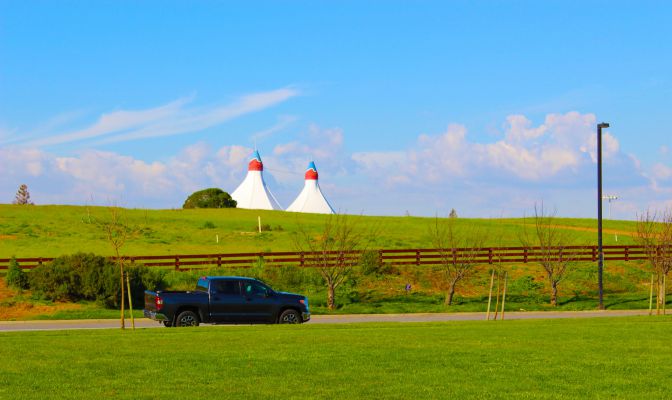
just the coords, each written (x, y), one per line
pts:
(311, 199)
(253, 193)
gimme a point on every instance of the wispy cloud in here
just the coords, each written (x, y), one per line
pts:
(174, 118)
(283, 122)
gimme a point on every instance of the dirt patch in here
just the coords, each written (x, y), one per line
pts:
(9, 237)
(17, 310)
(22, 311)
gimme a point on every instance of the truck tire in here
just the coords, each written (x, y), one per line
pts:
(187, 318)
(167, 323)
(290, 317)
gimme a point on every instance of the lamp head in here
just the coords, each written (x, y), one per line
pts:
(603, 125)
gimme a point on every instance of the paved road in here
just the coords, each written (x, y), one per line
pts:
(6, 326)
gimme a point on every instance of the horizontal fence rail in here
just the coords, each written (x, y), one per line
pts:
(418, 257)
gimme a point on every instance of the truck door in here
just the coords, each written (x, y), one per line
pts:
(259, 303)
(226, 302)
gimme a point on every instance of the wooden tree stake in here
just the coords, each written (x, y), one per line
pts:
(499, 291)
(664, 292)
(504, 294)
(130, 301)
(651, 297)
(492, 282)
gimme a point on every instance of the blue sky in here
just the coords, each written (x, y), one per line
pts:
(418, 107)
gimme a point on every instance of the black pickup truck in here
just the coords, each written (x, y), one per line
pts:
(226, 299)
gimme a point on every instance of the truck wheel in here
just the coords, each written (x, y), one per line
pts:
(289, 317)
(167, 323)
(187, 318)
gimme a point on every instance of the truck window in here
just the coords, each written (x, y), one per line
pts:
(226, 287)
(202, 285)
(254, 289)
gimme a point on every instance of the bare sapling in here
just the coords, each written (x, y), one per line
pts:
(335, 250)
(551, 246)
(458, 247)
(654, 234)
(117, 233)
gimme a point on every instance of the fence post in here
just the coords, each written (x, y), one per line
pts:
(380, 257)
(39, 262)
(177, 263)
(627, 253)
(594, 249)
(303, 258)
(417, 258)
(490, 255)
(525, 255)
(219, 261)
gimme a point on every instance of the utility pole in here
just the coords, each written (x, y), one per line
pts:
(600, 253)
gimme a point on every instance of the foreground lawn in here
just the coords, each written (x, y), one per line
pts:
(594, 358)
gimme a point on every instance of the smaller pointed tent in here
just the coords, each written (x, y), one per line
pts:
(311, 199)
(253, 193)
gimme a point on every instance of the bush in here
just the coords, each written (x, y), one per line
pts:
(371, 264)
(16, 278)
(90, 277)
(209, 198)
(208, 225)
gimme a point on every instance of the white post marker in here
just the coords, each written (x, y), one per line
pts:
(259, 222)
(217, 238)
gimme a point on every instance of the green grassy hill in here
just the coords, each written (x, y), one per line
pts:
(48, 231)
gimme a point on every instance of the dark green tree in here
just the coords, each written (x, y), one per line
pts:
(16, 278)
(210, 198)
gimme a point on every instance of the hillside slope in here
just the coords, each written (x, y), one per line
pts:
(29, 231)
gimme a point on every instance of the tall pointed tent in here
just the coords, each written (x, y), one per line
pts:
(311, 199)
(253, 192)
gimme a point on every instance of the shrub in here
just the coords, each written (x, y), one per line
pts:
(16, 278)
(371, 264)
(90, 277)
(208, 225)
(209, 198)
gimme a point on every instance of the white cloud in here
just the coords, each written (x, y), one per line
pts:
(662, 172)
(283, 122)
(173, 118)
(525, 152)
(518, 128)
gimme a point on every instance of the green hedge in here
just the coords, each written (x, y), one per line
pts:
(86, 276)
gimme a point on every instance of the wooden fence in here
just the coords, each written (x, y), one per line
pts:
(418, 257)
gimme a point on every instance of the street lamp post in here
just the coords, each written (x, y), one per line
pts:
(600, 253)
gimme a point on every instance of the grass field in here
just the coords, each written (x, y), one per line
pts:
(29, 231)
(616, 358)
(51, 231)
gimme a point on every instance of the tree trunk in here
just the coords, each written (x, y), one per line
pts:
(121, 280)
(450, 294)
(331, 296)
(554, 294)
(660, 297)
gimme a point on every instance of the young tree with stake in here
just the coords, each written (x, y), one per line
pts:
(551, 246)
(654, 233)
(458, 248)
(334, 251)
